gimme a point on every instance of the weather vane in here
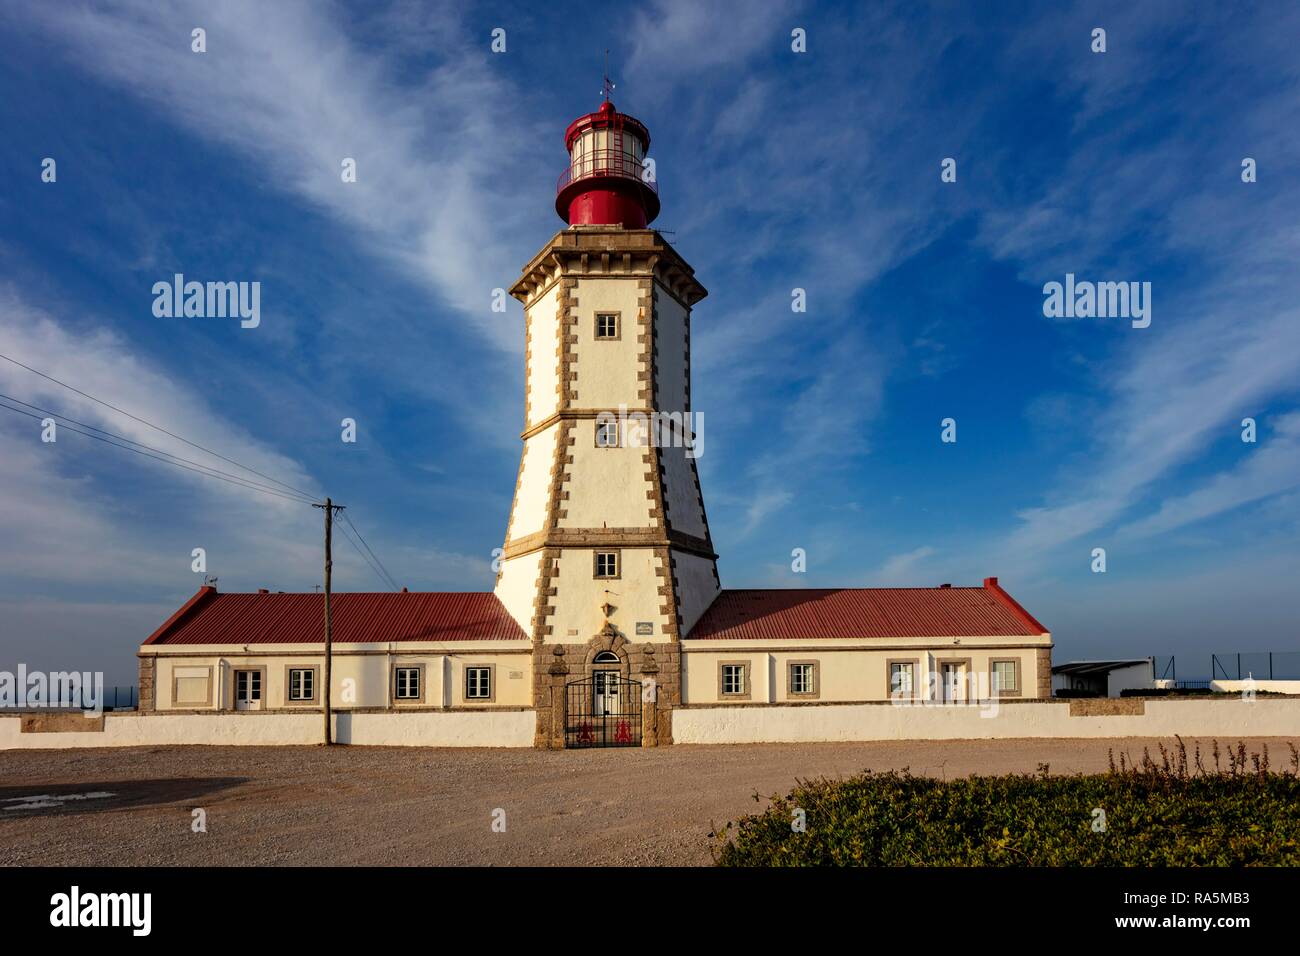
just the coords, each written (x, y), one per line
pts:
(607, 86)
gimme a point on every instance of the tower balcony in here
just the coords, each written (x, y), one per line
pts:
(605, 186)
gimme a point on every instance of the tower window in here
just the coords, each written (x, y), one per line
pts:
(606, 325)
(606, 434)
(606, 564)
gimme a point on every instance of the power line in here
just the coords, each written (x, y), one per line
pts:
(168, 458)
(392, 580)
(158, 451)
(200, 469)
(386, 582)
(142, 421)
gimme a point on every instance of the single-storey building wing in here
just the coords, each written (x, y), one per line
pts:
(866, 644)
(410, 652)
(265, 652)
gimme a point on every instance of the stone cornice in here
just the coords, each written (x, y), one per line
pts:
(609, 538)
(609, 251)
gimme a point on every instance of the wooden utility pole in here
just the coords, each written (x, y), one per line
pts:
(330, 508)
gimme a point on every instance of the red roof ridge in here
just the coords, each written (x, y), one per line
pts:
(200, 595)
(996, 589)
(362, 617)
(759, 614)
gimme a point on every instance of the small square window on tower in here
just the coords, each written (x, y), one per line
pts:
(606, 434)
(606, 325)
(606, 564)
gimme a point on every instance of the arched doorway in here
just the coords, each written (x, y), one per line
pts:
(604, 684)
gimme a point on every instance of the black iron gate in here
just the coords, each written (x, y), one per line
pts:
(602, 711)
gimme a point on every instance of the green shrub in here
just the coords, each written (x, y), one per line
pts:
(1166, 813)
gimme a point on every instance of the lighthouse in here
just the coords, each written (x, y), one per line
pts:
(606, 626)
(608, 561)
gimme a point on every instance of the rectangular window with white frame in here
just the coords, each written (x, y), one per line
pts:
(606, 434)
(607, 325)
(803, 679)
(902, 679)
(1004, 676)
(478, 683)
(302, 684)
(606, 564)
(407, 681)
(733, 680)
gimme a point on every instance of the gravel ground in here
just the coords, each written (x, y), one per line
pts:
(399, 806)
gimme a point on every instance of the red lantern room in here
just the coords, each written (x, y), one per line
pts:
(605, 183)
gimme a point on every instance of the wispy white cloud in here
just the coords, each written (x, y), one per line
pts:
(1223, 343)
(285, 87)
(762, 506)
(1267, 469)
(903, 569)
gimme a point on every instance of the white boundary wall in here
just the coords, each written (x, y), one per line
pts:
(495, 728)
(833, 722)
(1273, 686)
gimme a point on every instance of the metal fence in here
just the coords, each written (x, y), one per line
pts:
(1261, 665)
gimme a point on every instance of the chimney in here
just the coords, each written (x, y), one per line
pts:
(990, 582)
(263, 591)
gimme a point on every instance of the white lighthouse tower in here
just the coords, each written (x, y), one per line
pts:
(608, 560)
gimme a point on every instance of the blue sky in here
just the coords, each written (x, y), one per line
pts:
(777, 170)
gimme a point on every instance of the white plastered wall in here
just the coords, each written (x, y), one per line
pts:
(361, 675)
(484, 728)
(670, 341)
(1229, 719)
(516, 588)
(534, 492)
(607, 369)
(634, 595)
(607, 487)
(543, 367)
(848, 674)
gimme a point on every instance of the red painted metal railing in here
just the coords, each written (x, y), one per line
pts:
(605, 163)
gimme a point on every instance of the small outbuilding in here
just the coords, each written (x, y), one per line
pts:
(1104, 678)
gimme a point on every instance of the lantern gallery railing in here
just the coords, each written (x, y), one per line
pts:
(607, 163)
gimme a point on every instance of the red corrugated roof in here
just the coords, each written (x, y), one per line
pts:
(358, 618)
(865, 613)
